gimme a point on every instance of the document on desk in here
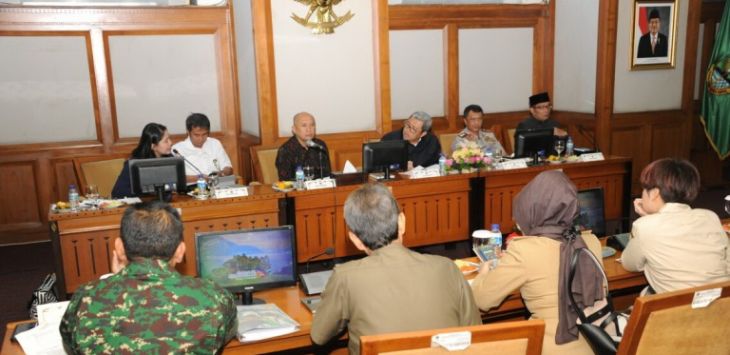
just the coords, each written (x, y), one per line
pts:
(263, 321)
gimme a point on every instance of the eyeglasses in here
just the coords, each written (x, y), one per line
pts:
(411, 128)
(543, 107)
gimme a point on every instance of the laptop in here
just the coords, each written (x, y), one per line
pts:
(591, 215)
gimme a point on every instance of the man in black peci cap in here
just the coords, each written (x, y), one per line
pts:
(539, 119)
(653, 43)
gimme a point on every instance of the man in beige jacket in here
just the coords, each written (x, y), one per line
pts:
(393, 289)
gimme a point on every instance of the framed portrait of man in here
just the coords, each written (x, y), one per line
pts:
(653, 34)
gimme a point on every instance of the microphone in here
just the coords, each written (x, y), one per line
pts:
(188, 161)
(328, 251)
(315, 145)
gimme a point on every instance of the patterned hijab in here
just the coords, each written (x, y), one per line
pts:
(546, 207)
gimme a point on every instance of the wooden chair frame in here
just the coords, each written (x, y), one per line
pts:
(258, 172)
(78, 163)
(644, 306)
(532, 330)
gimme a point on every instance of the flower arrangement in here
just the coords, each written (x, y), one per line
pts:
(467, 158)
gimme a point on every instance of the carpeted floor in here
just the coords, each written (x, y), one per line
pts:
(22, 267)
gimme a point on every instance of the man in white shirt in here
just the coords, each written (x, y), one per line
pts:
(204, 154)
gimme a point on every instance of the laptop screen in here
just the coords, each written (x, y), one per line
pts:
(591, 215)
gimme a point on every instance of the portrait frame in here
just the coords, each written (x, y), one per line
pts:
(657, 52)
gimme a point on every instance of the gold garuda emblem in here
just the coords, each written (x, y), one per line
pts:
(326, 19)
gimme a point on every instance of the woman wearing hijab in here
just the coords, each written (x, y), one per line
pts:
(538, 264)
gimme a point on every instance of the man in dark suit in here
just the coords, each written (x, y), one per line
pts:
(653, 43)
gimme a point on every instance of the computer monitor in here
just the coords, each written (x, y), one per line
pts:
(246, 261)
(529, 142)
(591, 211)
(385, 156)
(157, 175)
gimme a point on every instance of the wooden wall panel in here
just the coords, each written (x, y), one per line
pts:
(65, 175)
(667, 141)
(51, 171)
(18, 194)
(626, 144)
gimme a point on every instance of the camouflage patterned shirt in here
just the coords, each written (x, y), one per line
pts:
(148, 307)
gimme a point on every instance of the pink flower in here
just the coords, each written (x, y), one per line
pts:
(487, 160)
(449, 162)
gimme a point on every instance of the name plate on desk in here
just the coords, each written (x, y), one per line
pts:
(512, 164)
(326, 183)
(231, 191)
(423, 173)
(592, 157)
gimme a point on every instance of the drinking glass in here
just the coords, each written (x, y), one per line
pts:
(559, 146)
(308, 172)
(92, 194)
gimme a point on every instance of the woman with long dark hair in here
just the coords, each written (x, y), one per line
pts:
(154, 143)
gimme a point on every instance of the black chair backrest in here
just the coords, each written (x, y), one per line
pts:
(599, 340)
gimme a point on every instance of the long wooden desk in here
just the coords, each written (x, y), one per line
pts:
(289, 300)
(441, 209)
(438, 210)
(82, 242)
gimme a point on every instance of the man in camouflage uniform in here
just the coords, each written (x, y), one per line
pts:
(473, 132)
(147, 306)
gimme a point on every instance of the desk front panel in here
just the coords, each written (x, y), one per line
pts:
(84, 241)
(500, 187)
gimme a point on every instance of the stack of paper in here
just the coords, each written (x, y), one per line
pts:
(262, 321)
(45, 338)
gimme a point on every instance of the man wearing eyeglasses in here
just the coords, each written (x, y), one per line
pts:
(423, 148)
(539, 119)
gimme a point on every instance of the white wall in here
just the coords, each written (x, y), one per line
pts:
(647, 90)
(246, 62)
(576, 33)
(163, 79)
(495, 68)
(45, 92)
(416, 72)
(330, 76)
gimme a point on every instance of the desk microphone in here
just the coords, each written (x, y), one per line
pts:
(328, 251)
(315, 145)
(188, 161)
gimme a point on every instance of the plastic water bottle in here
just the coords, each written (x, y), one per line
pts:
(299, 178)
(496, 242)
(202, 185)
(569, 147)
(442, 165)
(73, 197)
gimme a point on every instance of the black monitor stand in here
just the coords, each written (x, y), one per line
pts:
(246, 298)
(161, 194)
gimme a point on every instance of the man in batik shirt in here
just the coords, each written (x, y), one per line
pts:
(303, 150)
(147, 306)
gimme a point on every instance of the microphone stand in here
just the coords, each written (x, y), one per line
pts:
(321, 169)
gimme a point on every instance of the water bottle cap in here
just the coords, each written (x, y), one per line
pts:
(727, 198)
(495, 226)
(72, 186)
(482, 233)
